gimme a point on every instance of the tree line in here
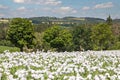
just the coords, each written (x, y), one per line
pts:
(22, 33)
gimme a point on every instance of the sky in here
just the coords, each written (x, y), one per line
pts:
(60, 8)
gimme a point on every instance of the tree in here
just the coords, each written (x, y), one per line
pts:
(3, 29)
(58, 39)
(109, 20)
(38, 41)
(21, 33)
(102, 37)
(81, 38)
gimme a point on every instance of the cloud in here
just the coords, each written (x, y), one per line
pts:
(104, 5)
(86, 8)
(52, 2)
(42, 2)
(21, 9)
(65, 10)
(22, 12)
(3, 7)
(19, 1)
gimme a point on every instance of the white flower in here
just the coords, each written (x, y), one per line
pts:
(118, 77)
(0, 75)
(51, 76)
(79, 78)
(10, 77)
(1, 70)
(89, 76)
(102, 77)
(23, 78)
(81, 70)
(35, 76)
(72, 78)
(96, 77)
(62, 64)
(113, 77)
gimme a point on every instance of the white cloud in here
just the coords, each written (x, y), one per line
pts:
(74, 11)
(86, 8)
(104, 5)
(52, 2)
(42, 2)
(64, 10)
(22, 12)
(3, 7)
(21, 8)
(19, 1)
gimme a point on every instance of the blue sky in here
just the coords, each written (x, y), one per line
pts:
(60, 8)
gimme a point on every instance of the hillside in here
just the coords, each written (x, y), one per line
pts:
(65, 20)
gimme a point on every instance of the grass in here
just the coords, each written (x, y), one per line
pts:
(11, 49)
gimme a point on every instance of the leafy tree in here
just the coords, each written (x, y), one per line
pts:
(3, 29)
(2, 34)
(67, 37)
(109, 20)
(57, 43)
(58, 39)
(21, 33)
(102, 37)
(81, 38)
(38, 41)
(116, 46)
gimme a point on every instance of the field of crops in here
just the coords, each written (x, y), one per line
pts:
(89, 65)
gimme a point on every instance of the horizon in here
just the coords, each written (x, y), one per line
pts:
(56, 17)
(59, 8)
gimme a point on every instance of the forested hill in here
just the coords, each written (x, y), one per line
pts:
(65, 20)
(116, 20)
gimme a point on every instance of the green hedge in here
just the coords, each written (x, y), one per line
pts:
(11, 49)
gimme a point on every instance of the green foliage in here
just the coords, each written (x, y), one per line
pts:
(3, 29)
(116, 46)
(14, 69)
(57, 43)
(81, 38)
(4, 76)
(21, 33)
(41, 27)
(38, 41)
(29, 76)
(85, 35)
(109, 20)
(67, 38)
(11, 49)
(57, 38)
(2, 34)
(45, 76)
(36, 68)
(102, 37)
(5, 43)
